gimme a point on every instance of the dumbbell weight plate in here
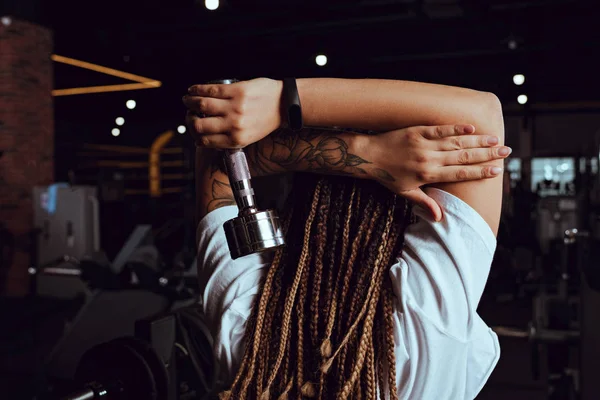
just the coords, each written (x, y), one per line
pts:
(113, 362)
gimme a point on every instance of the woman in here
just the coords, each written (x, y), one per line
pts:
(360, 303)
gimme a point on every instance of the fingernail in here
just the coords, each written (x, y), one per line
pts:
(496, 170)
(190, 89)
(504, 151)
(493, 141)
(469, 129)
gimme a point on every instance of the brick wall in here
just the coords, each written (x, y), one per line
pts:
(26, 136)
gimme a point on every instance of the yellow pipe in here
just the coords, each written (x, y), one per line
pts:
(154, 162)
(106, 88)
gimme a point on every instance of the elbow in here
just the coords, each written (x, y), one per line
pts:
(492, 110)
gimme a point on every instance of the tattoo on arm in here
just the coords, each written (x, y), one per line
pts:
(220, 196)
(312, 150)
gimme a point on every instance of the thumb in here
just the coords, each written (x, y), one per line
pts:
(418, 197)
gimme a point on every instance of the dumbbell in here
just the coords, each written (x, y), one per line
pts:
(252, 231)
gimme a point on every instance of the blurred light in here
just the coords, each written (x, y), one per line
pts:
(130, 104)
(120, 121)
(522, 99)
(519, 79)
(321, 60)
(181, 129)
(6, 21)
(31, 271)
(211, 4)
(116, 132)
(563, 167)
(512, 44)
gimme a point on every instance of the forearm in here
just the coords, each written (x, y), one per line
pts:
(316, 150)
(212, 184)
(323, 151)
(385, 105)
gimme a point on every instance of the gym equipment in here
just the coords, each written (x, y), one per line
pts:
(253, 230)
(68, 219)
(565, 318)
(170, 357)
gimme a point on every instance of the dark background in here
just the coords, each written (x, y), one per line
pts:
(180, 42)
(475, 44)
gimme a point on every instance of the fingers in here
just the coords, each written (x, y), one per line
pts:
(206, 105)
(466, 173)
(418, 197)
(205, 126)
(475, 156)
(217, 91)
(444, 131)
(466, 142)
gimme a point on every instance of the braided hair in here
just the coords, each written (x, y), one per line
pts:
(322, 326)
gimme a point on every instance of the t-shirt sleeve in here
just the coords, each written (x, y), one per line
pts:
(228, 287)
(438, 281)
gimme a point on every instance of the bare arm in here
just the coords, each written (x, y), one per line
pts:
(244, 113)
(312, 150)
(485, 196)
(385, 105)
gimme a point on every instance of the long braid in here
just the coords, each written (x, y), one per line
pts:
(318, 273)
(331, 254)
(326, 346)
(380, 350)
(347, 277)
(371, 382)
(365, 274)
(262, 309)
(389, 333)
(300, 318)
(287, 313)
(264, 355)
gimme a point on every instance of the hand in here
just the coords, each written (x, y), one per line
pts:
(433, 154)
(235, 115)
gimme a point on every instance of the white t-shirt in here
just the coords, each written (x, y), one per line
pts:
(444, 350)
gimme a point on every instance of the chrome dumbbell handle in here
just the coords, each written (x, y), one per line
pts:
(240, 180)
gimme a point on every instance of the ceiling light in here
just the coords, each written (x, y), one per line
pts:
(181, 129)
(120, 121)
(116, 132)
(519, 79)
(211, 4)
(321, 60)
(522, 99)
(130, 104)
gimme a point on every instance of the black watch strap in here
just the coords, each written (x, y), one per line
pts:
(291, 104)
